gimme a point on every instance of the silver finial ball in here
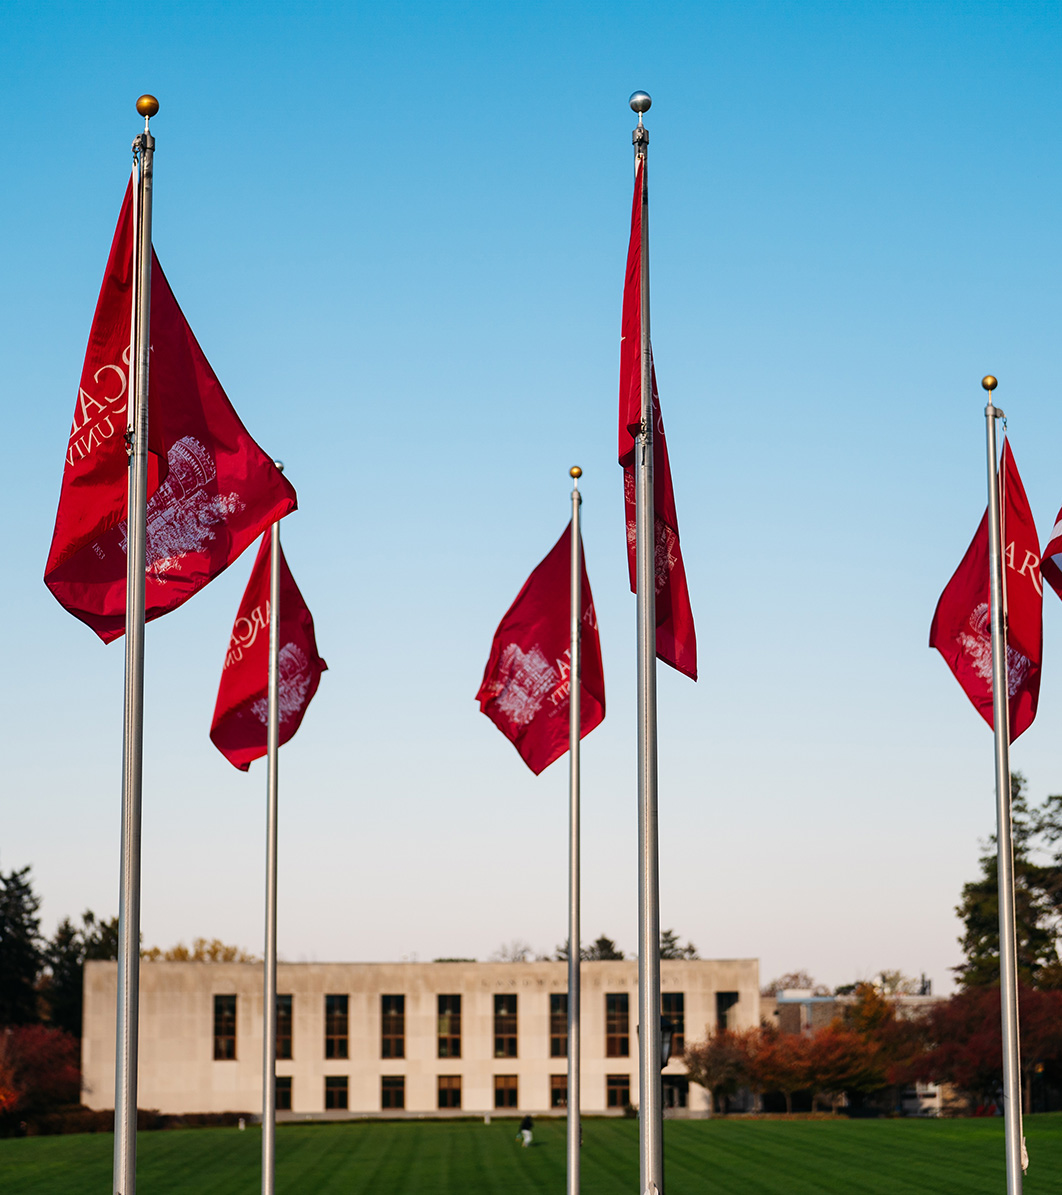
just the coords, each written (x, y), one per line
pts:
(279, 465)
(641, 101)
(575, 472)
(989, 383)
(147, 105)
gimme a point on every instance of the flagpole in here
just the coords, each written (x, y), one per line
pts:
(136, 438)
(574, 931)
(1008, 953)
(651, 1122)
(269, 1011)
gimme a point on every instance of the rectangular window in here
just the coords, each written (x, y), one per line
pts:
(676, 1089)
(224, 1028)
(505, 1027)
(336, 1090)
(618, 1090)
(450, 1033)
(724, 1002)
(617, 1026)
(505, 1091)
(558, 1091)
(449, 1091)
(283, 1093)
(392, 1091)
(392, 1027)
(673, 1006)
(336, 1039)
(558, 1025)
(284, 1023)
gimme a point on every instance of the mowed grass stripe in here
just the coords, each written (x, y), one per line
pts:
(609, 1156)
(723, 1157)
(804, 1162)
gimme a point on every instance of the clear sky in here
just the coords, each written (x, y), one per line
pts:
(399, 233)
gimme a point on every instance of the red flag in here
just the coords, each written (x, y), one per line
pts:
(961, 624)
(676, 640)
(211, 489)
(525, 687)
(241, 716)
(1051, 563)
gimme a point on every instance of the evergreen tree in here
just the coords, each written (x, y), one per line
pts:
(672, 948)
(603, 949)
(65, 957)
(1033, 912)
(20, 954)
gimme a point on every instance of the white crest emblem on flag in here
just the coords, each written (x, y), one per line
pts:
(181, 516)
(293, 683)
(524, 680)
(976, 642)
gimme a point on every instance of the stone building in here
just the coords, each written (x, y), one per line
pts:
(404, 1039)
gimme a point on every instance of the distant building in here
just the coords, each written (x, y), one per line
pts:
(404, 1039)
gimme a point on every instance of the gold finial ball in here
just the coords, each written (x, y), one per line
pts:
(575, 472)
(147, 105)
(989, 383)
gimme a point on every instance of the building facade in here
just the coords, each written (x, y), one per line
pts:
(404, 1039)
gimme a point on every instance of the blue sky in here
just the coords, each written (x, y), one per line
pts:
(399, 234)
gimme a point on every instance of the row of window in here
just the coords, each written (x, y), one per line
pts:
(448, 1037)
(448, 1092)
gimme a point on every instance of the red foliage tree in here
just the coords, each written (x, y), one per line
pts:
(720, 1064)
(841, 1060)
(779, 1062)
(39, 1069)
(966, 1046)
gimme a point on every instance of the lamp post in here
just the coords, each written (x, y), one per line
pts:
(667, 1033)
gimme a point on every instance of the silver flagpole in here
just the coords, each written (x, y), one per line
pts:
(651, 1120)
(1008, 952)
(574, 931)
(136, 438)
(269, 1014)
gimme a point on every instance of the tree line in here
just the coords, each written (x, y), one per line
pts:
(871, 1052)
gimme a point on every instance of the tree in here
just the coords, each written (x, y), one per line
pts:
(20, 952)
(1034, 908)
(201, 951)
(794, 979)
(1047, 827)
(602, 950)
(516, 951)
(672, 948)
(65, 957)
(895, 983)
(100, 937)
(779, 1062)
(871, 1014)
(39, 1069)
(720, 1064)
(965, 1040)
(842, 1061)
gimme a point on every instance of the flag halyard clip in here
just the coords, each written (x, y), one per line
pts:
(141, 142)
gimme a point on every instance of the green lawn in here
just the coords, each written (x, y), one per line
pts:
(803, 1157)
